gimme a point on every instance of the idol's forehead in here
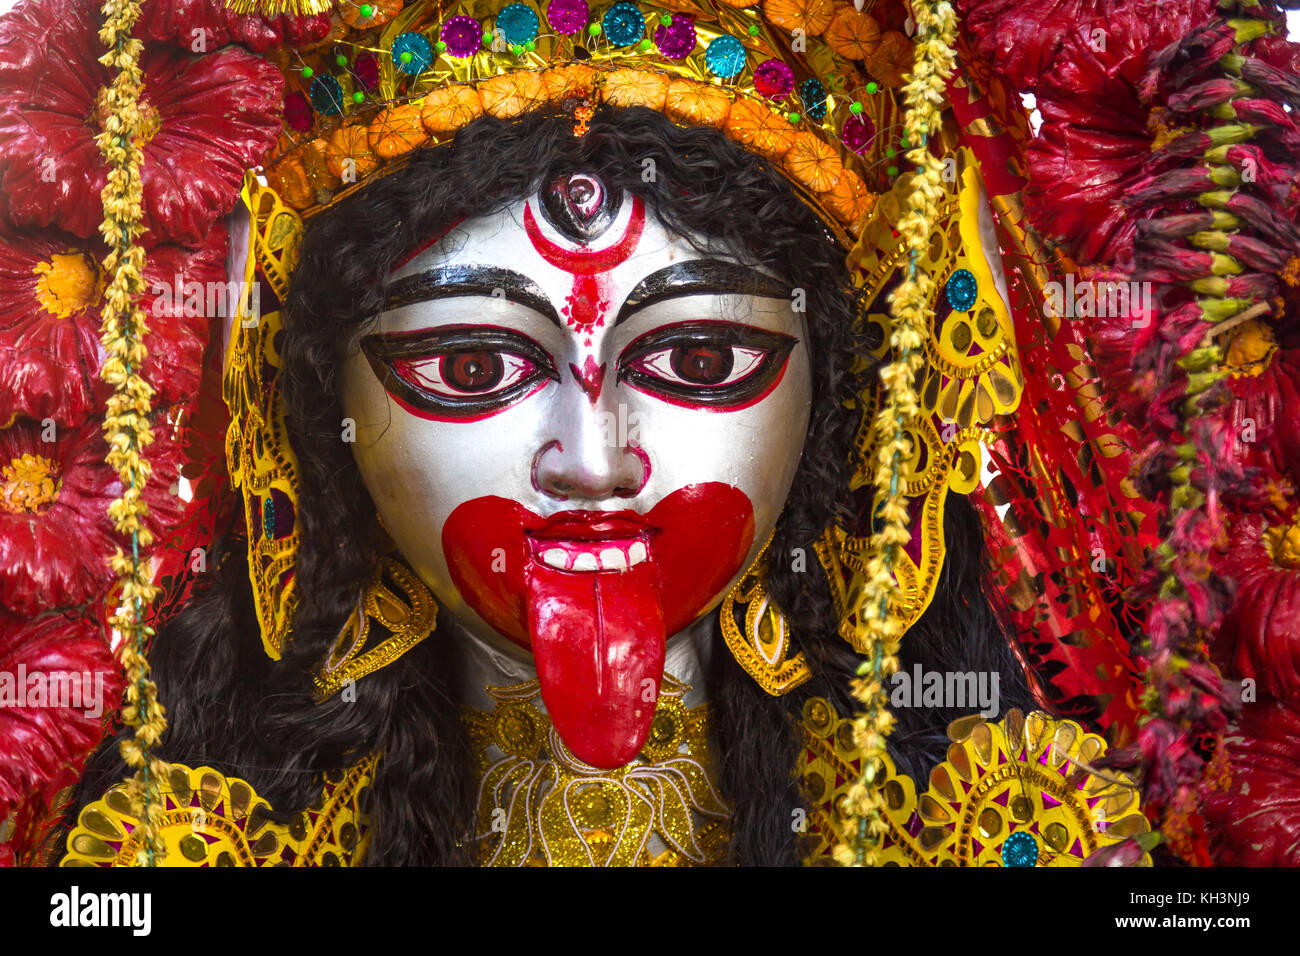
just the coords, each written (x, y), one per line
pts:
(519, 238)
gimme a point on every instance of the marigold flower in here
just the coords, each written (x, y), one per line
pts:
(397, 130)
(697, 103)
(852, 34)
(810, 16)
(760, 129)
(348, 155)
(892, 58)
(563, 82)
(512, 94)
(450, 108)
(628, 87)
(813, 163)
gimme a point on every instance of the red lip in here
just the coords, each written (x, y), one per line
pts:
(590, 526)
(598, 638)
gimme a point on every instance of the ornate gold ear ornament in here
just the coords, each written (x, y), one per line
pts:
(263, 467)
(971, 375)
(261, 462)
(758, 634)
(398, 602)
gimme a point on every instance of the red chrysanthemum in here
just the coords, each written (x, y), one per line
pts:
(51, 297)
(208, 119)
(1260, 637)
(1266, 413)
(1257, 821)
(178, 21)
(55, 533)
(53, 717)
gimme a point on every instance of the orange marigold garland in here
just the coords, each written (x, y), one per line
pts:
(936, 24)
(126, 422)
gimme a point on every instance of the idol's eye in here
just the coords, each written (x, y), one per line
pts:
(721, 364)
(457, 374)
(458, 371)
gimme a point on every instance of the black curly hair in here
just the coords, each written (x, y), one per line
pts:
(229, 706)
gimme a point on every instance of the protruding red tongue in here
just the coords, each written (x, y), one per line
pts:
(598, 641)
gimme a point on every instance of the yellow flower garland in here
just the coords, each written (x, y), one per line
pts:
(126, 419)
(936, 29)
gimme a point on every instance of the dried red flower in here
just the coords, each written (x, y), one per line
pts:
(1260, 637)
(1257, 821)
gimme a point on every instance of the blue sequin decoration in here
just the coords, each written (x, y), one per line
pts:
(327, 95)
(725, 56)
(518, 23)
(813, 95)
(623, 23)
(421, 51)
(268, 517)
(1021, 849)
(961, 289)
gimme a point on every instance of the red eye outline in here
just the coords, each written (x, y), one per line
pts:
(760, 354)
(409, 365)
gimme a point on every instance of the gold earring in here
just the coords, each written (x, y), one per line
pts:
(395, 599)
(758, 635)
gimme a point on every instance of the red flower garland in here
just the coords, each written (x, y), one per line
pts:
(51, 720)
(211, 117)
(55, 533)
(51, 289)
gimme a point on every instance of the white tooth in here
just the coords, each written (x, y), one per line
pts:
(556, 558)
(613, 559)
(586, 561)
(636, 554)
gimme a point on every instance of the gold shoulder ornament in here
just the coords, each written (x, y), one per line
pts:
(210, 819)
(1021, 791)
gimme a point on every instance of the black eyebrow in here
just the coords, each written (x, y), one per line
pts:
(700, 277)
(453, 281)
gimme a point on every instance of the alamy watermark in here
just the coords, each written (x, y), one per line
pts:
(1099, 300)
(77, 690)
(208, 299)
(959, 689)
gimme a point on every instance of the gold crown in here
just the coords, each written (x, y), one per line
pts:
(807, 84)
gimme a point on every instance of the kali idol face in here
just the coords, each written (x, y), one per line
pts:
(580, 430)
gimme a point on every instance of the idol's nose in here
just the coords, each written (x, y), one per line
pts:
(591, 453)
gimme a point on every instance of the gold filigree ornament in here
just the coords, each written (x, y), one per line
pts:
(1018, 792)
(757, 633)
(395, 603)
(213, 820)
(970, 378)
(261, 462)
(539, 805)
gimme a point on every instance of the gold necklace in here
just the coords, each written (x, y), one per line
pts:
(539, 805)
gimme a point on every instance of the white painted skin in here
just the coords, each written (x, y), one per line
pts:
(419, 470)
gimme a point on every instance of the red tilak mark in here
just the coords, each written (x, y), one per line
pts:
(588, 299)
(590, 378)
